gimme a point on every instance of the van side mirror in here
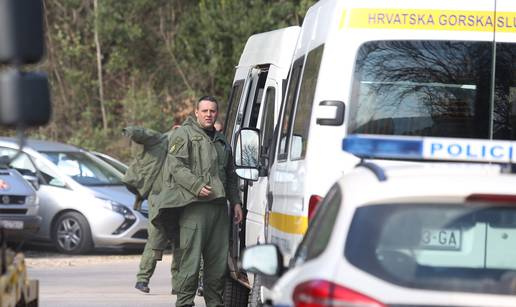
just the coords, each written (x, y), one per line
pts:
(21, 38)
(24, 96)
(263, 259)
(247, 153)
(24, 99)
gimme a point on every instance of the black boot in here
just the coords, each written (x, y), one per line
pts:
(142, 286)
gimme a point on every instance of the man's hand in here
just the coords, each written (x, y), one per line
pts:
(237, 214)
(205, 191)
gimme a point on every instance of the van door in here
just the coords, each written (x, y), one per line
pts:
(256, 191)
(282, 221)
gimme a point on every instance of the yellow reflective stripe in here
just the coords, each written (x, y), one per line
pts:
(293, 224)
(436, 20)
(342, 22)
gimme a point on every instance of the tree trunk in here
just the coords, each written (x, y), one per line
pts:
(99, 68)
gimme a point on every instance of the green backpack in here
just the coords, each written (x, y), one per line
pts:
(146, 166)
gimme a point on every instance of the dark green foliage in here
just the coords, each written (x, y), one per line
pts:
(157, 56)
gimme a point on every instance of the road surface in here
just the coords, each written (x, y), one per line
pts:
(98, 280)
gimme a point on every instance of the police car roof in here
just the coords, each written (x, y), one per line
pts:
(426, 182)
(44, 146)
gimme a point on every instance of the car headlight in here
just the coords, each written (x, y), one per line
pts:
(123, 210)
(119, 208)
(129, 218)
(31, 199)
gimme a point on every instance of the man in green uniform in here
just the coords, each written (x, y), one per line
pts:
(145, 179)
(203, 179)
(154, 247)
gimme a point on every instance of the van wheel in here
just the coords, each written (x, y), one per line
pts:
(72, 234)
(255, 299)
(235, 294)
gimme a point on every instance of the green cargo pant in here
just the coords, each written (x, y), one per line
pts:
(156, 243)
(150, 255)
(204, 231)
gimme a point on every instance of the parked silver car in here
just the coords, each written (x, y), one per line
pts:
(83, 202)
(120, 166)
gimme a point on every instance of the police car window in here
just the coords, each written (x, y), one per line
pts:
(85, 169)
(305, 101)
(319, 232)
(431, 88)
(447, 247)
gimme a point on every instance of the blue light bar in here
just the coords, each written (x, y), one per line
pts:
(383, 148)
(430, 148)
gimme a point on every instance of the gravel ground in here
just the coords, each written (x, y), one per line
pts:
(98, 279)
(37, 256)
(58, 260)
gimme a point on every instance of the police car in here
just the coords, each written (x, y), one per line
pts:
(408, 234)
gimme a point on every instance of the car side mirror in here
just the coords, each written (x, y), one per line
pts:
(33, 180)
(247, 154)
(263, 259)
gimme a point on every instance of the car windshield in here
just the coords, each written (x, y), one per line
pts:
(434, 88)
(121, 167)
(84, 168)
(455, 247)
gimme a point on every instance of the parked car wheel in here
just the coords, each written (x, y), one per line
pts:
(72, 234)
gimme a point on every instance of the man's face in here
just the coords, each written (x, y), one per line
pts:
(206, 113)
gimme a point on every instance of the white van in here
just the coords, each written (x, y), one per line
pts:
(420, 68)
(254, 102)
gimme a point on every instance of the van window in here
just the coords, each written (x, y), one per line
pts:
(267, 126)
(286, 125)
(256, 99)
(433, 88)
(304, 104)
(234, 99)
(504, 116)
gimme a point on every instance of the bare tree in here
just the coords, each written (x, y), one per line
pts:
(99, 67)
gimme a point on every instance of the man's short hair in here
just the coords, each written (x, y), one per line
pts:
(208, 98)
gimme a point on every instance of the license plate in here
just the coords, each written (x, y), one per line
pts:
(441, 239)
(11, 224)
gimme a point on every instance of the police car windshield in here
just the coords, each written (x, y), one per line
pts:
(433, 88)
(437, 246)
(84, 168)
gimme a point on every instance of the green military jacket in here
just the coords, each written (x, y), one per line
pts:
(193, 161)
(145, 168)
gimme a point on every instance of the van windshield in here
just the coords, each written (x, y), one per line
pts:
(434, 88)
(448, 247)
